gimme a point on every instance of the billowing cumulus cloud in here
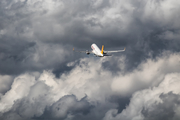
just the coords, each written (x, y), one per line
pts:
(41, 78)
(161, 102)
(5, 83)
(97, 93)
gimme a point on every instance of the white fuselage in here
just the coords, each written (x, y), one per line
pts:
(96, 50)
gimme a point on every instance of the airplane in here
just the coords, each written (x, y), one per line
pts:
(99, 53)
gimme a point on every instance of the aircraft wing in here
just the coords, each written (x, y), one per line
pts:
(115, 51)
(87, 51)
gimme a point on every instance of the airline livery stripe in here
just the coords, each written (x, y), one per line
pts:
(92, 47)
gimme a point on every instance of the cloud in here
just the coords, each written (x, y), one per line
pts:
(42, 95)
(164, 110)
(155, 103)
(19, 89)
(37, 26)
(149, 73)
(68, 105)
(5, 83)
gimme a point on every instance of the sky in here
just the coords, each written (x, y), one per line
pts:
(42, 78)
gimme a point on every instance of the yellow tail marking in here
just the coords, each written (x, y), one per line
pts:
(102, 49)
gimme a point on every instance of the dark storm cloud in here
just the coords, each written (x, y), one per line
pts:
(116, 24)
(12, 55)
(141, 33)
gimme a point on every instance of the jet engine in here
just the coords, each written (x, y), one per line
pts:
(87, 52)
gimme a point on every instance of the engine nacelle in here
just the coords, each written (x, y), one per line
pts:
(87, 52)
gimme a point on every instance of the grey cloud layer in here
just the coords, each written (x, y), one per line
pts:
(41, 78)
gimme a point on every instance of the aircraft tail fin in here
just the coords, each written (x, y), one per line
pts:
(102, 49)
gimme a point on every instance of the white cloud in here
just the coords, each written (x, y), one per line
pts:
(88, 78)
(5, 82)
(148, 98)
(148, 74)
(19, 89)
